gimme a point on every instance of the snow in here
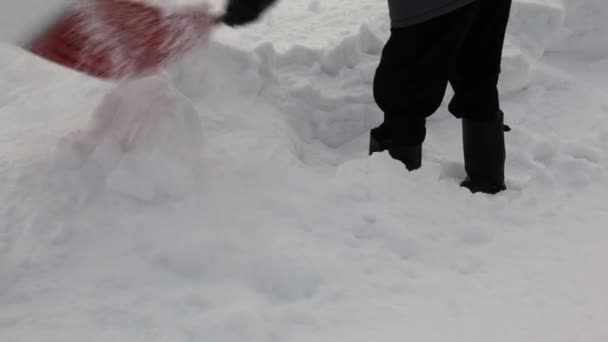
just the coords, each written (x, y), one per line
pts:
(30, 18)
(231, 198)
(146, 150)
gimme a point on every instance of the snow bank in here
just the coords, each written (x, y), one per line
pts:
(539, 26)
(145, 141)
(535, 24)
(585, 28)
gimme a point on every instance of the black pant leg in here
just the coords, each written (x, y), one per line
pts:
(475, 75)
(413, 74)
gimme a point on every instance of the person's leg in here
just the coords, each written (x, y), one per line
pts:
(412, 78)
(475, 80)
(475, 74)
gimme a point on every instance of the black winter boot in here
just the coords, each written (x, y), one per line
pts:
(411, 156)
(484, 155)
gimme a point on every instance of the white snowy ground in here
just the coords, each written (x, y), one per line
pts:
(236, 202)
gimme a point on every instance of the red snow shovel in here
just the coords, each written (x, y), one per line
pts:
(114, 39)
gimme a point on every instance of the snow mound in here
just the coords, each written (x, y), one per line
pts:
(534, 28)
(585, 28)
(144, 141)
(535, 24)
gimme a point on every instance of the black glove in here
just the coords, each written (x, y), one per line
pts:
(241, 12)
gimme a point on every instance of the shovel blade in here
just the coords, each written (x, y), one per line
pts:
(117, 39)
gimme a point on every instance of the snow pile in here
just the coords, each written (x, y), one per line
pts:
(145, 141)
(585, 29)
(535, 24)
